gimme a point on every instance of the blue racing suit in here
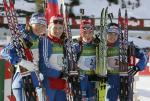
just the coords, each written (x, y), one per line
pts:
(51, 63)
(87, 65)
(114, 78)
(10, 53)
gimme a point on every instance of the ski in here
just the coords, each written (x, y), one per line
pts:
(126, 81)
(23, 50)
(70, 61)
(97, 47)
(132, 62)
(40, 5)
(101, 56)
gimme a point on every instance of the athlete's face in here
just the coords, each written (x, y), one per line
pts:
(55, 30)
(87, 34)
(38, 29)
(112, 37)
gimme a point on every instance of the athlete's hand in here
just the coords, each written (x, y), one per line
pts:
(63, 74)
(41, 77)
(132, 71)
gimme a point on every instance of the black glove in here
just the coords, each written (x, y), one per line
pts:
(132, 71)
(28, 43)
(96, 40)
(63, 74)
(96, 77)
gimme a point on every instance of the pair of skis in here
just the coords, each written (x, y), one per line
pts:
(101, 56)
(123, 43)
(70, 61)
(126, 81)
(22, 50)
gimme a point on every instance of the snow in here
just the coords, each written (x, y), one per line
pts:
(140, 42)
(143, 88)
(23, 5)
(94, 7)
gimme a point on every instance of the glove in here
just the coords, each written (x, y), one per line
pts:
(28, 65)
(28, 43)
(96, 40)
(96, 77)
(63, 74)
(41, 77)
(132, 71)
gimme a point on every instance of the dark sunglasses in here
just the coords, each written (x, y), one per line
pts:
(58, 22)
(87, 28)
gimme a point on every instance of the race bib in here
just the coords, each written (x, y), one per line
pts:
(87, 63)
(56, 61)
(35, 54)
(60, 60)
(113, 62)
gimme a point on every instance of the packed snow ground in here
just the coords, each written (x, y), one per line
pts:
(142, 88)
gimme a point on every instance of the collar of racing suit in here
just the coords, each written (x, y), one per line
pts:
(55, 39)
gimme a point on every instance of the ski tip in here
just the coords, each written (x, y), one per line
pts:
(102, 10)
(119, 11)
(11, 3)
(5, 4)
(106, 10)
(126, 14)
(106, 7)
(4, 1)
(112, 15)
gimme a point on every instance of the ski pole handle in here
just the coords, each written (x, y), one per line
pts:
(110, 16)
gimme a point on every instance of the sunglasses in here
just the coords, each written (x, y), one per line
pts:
(58, 22)
(87, 28)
